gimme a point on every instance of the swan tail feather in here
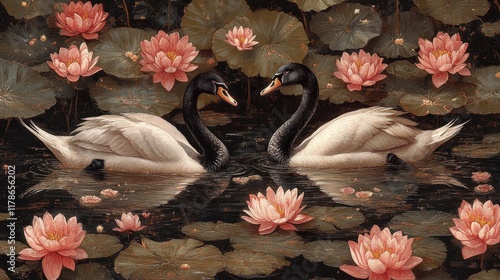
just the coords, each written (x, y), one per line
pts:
(445, 133)
(52, 142)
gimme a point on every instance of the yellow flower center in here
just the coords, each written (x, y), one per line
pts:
(438, 53)
(377, 253)
(280, 210)
(68, 63)
(54, 236)
(358, 64)
(171, 55)
(241, 39)
(480, 219)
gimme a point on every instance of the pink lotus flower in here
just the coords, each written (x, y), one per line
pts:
(241, 38)
(168, 57)
(80, 18)
(480, 177)
(56, 242)
(380, 255)
(478, 226)
(128, 222)
(442, 56)
(73, 62)
(276, 209)
(109, 193)
(89, 200)
(361, 69)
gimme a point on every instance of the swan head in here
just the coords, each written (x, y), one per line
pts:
(212, 83)
(288, 74)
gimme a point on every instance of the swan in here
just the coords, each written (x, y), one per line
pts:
(362, 138)
(143, 143)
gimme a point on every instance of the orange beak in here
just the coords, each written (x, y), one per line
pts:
(224, 95)
(274, 85)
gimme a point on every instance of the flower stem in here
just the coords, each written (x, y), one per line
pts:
(482, 262)
(398, 28)
(248, 95)
(125, 7)
(76, 102)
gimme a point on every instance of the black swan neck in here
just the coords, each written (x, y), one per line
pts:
(281, 143)
(215, 155)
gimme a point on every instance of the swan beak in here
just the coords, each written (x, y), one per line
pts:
(274, 85)
(224, 95)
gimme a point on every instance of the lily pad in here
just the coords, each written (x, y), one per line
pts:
(341, 217)
(277, 244)
(318, 5)
(347, 26)
(4, 216)
(332, 253)
(485, 99)
(119, 51)
(281, 38)
(433, 275)
(28, 9)
(138, 96)
(100, 245)
(453, 12)
(406, 70)
(203, 18)
(492, 274)
(491, 29)
(210, 118)
(174, 259)
(431, 250)
(400, 38)
(252, 264)
(86, 271)
(24, 92)
(487, 148)
(423, 223)
(209, 231)
(436, 101)
(3, 275)
(5, 246)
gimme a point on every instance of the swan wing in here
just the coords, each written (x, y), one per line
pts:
(125, 136)
(370, 129)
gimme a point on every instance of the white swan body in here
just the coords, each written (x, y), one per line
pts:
(361, 138)
(142, 143)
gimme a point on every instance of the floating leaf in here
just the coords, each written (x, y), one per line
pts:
(453, 12)
(485, 99)
(341, 217)
(86, 271)
(318, 5)
(277, 244)
(492, 274)
(28, 9)
(431, 250)
(119, 51)
(174, 259)
(490, 29)
(332, 253)
(489, 147)
(29, 42)
(203, 18)
(433, 275)
(281, 38)
(436, 101)
(406, 70)
(5, 246)
(347, 26)
(423, 223)
(100, 245)
(403, 78)
(209, 231)
(23, 92)
(3, 275)
(210, 118)
(137, 96)
(4, 216)
(395, 43)
(252, 264)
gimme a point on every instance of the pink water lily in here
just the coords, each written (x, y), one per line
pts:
(56, 242)
(477, 227)
(80, 18)
(276, 209)
(443, 55)
(241, 38)
(128, 222)
(358, 70)
(382, 255)
(74, 62)
(169, 57)
(480, 177)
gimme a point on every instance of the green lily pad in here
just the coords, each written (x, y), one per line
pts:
(332, 253)
(137, 96)
(277, 244)
(491, 29)
(347, 26)
(485, 99)
(203, 18)
(252, 264)
(209, 231)
(174, 259)
(402, 42)
(210, 118)
(492, 274)
(86, 271)
(406, 70)
(487, 148)
(119, 51)
(100, 245)
(340, 217)
(423, 223)
(31, 9)
(318, 5)
(281, 38)
(453, 12)
(436, 101)
(23, 92)
(431, 250)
